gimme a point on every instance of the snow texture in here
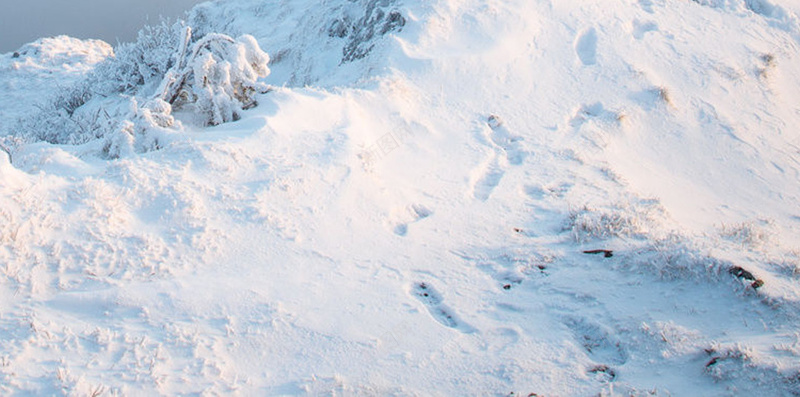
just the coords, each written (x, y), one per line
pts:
(450, 197)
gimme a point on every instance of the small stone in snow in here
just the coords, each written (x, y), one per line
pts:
(741, 273)
(494, 121)
(606, 253)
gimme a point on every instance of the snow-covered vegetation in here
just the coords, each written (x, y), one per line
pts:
(450, 197)
(127, 100)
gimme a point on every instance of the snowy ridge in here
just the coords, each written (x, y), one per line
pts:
(489, 198)
(41, 65)
(311, 48)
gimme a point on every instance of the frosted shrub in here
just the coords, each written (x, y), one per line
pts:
(120, 142)
(128, 100)
(587, 225)
(674, 257)
(144, 128)
(139, 65)
(216, 76)
(621, 220)
(752, 235)
(221, 78)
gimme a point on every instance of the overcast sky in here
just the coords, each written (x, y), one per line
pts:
(22, 21)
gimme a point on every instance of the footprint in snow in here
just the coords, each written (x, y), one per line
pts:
(595, 112)
(586, 47)
(508, 267)
(489, 178)
(598, 342)
(768, 10)
(506, 145)
(403, 217)
(652, 98)
(763, 8)
(647, 5)
(641, 28)
(433, 301)
(506, 140)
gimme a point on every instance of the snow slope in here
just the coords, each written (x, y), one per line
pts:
(406, 212)
(42, 66)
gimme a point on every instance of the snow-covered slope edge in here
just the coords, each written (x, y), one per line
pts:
(415, 224)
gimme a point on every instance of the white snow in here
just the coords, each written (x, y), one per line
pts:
(406, 212)
(43, 66)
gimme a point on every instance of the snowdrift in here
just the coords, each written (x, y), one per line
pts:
(380, 197)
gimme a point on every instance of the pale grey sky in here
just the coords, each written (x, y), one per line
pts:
(22, 21)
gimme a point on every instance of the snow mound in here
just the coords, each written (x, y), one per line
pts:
(457, 197)
(126, 103)
(42, 66)
(62, 53)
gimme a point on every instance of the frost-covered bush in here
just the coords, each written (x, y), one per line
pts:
(628, 220)
(752, 235)
(220, 78)
(140, 65)
(788, 265)
(145, 127)
(64, 119)
(675, 257)
(753, 374)
(128, 100)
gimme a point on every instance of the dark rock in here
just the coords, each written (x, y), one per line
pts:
(362, 35)
(604, 369)
(494, 122)
(394, 21)
(339, 28)
(606, 253)
(743, 274)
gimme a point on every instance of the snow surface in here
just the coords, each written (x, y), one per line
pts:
(406, 212)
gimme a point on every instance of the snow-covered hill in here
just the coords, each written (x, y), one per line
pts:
(408, 211)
